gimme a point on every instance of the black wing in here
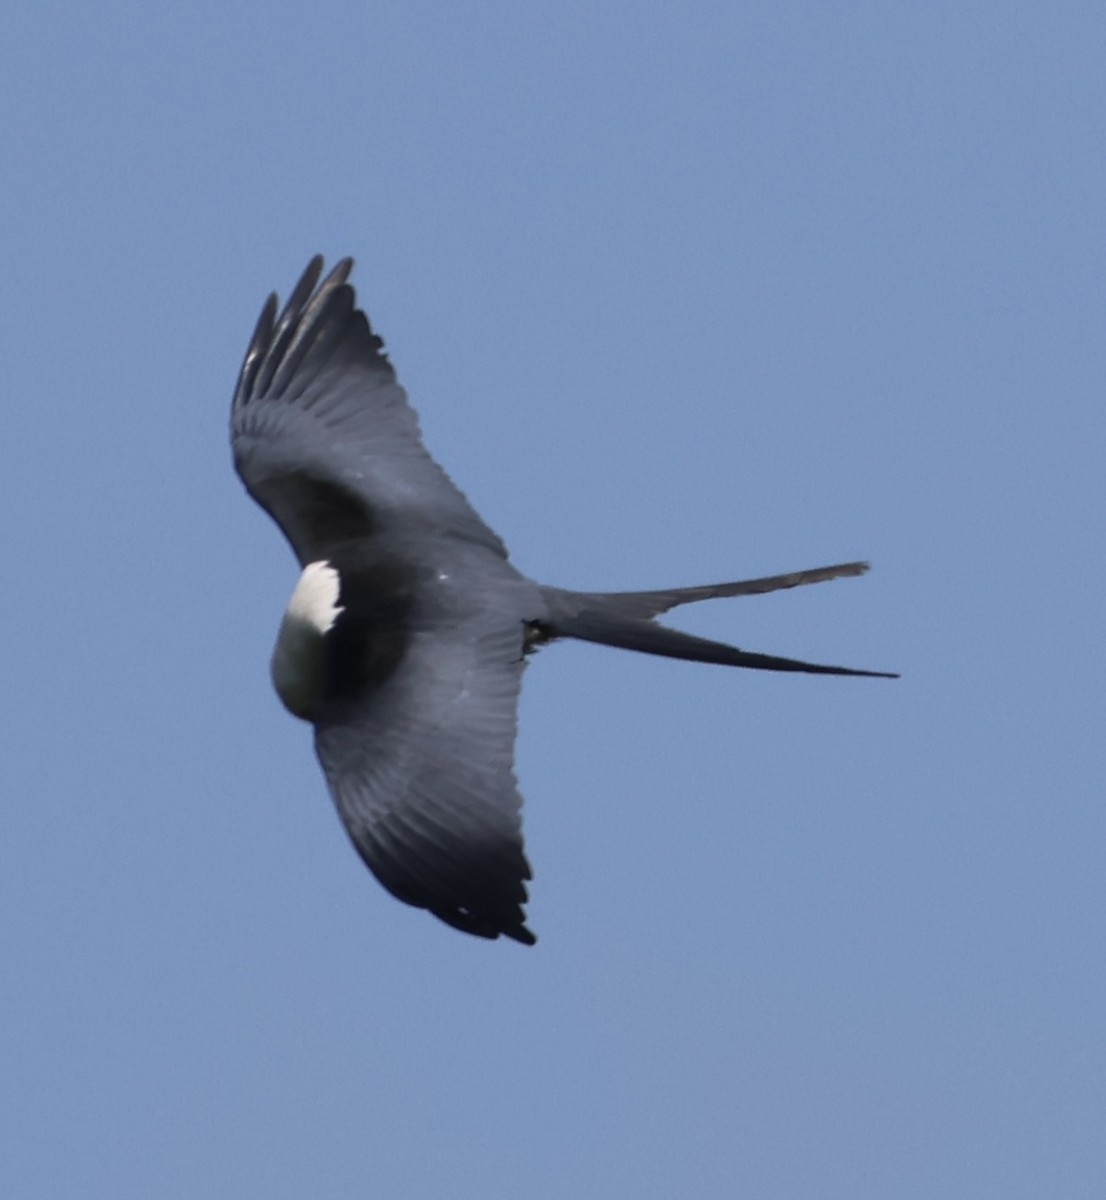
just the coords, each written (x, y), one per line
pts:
(421, 769)
(323, 436)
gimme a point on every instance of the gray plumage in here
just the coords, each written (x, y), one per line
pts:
(406, 639)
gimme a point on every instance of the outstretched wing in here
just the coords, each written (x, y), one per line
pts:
(323, 436)
(421, 769)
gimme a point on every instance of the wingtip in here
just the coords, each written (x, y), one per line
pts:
(340, 272)
(255, 350)
(271, 353)
(522, 935)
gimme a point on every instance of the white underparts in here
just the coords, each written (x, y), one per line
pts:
(297, 663)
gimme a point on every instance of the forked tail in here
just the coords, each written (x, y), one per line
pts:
(625, 620)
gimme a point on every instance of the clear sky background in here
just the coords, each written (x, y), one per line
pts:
(682, 293)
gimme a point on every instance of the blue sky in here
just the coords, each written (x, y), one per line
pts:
(681, 294)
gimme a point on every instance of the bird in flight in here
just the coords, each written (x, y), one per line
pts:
(406, 636)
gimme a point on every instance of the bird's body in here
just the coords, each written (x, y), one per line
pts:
(407, 634)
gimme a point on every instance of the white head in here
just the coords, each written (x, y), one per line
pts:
(297, 662)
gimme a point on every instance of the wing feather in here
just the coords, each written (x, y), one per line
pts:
(421, 771)
(323, 435)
